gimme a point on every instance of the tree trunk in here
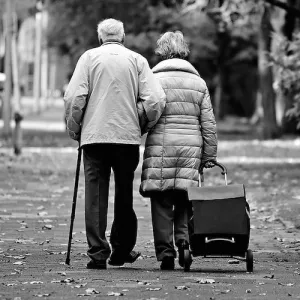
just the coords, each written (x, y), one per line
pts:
(6, 108)
(37, 62)
(18, 117)
(270, 128)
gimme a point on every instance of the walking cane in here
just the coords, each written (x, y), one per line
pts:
(74, 204)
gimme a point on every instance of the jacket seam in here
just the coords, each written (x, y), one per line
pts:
(184, 157)
(162, 155)
(179, 177)
(189, 89)
(175, 70)
(173, 146)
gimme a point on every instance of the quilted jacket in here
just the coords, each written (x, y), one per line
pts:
(101, 98)
(184, 136)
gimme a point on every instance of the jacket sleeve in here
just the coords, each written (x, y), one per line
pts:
(208, 128)
(75, 97)
(143, 120)
(151, 97)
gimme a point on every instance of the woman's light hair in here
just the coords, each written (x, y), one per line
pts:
(110, 29)
(172, 45)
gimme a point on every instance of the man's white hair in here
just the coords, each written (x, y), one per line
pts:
(110, 29)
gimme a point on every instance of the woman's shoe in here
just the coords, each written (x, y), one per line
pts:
(167, 263)
(183, 260)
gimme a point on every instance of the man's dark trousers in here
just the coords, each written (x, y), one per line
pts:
(98, 161)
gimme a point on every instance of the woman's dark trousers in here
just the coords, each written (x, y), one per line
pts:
(170, 213)
(98, 161)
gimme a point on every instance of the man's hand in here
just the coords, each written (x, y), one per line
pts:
(209, 164)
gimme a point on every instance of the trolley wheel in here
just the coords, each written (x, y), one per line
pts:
(249, 260)
(187, 260)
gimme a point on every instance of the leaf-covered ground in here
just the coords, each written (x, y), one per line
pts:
(36, 195)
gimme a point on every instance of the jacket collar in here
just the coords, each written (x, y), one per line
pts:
(175, 64)
(112, 41)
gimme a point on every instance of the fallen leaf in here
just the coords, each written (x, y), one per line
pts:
(233, 262)
(62, 273)
(269, 276)
(225, 291)
(21, 241)
(36, 282)
(181, 287)
(80, 285)
(153, 289)
(19, 257)
(19, 263)
(67, 280)
(206, 281)
(11, 284)
(115, 294)
(47, 226)
(91, 291)
(42, 295)
(248, 291)
(47, 220)
(143, 282)
(42, 213)
(286, 284)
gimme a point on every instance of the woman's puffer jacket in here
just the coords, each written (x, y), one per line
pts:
(185, 134)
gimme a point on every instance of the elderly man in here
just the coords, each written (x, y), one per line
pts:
(110, 87)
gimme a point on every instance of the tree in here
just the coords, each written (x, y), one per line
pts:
(254, 16)
(73, 23)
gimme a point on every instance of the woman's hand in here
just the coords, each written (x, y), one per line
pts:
(209, 164)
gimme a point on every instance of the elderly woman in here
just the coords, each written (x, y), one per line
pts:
(183, 139)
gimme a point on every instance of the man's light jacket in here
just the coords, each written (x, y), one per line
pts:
(101, 98)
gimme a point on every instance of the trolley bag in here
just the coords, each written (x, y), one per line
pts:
(220, 224)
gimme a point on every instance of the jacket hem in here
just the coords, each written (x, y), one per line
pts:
(127, 142)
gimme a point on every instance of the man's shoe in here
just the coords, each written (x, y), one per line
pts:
(167, 263)
(117, 260)
(96, 264)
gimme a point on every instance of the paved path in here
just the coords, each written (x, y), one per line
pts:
(35, 198)
(35, 201)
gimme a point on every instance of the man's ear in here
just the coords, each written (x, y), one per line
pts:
(123, 38)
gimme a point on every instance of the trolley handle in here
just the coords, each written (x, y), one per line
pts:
(222, 167)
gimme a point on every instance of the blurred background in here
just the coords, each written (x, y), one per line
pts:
(246, 50)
